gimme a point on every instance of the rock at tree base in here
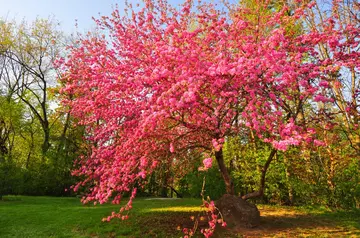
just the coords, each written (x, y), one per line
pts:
(238, 212)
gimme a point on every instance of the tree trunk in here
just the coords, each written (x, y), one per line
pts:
(224, 172)
(30, 150)
(260, 192)
(289, 185)
(164, 186)
(63, 133)
(176, 192)
(331, 170)
(46, 143)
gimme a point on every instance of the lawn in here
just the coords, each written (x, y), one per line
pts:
(22, 216)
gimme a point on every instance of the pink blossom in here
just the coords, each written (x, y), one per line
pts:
(280, 145)
(321, 98)
(207, 163)
(172, 148)
(216, 144)
(319, 143)
(324, 83)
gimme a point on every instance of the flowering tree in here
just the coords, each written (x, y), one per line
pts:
(168, 83)
(340, 26)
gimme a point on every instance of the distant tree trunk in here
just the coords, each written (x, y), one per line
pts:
(224, 172)
(176, 192)
(32, 145)
(164, 187)
(63, 133)
(4, 134)
(289, 185)
(164, 191)
(46, 144)
(331, 170)
(152, 184)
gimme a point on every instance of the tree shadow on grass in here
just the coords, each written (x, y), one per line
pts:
(295, 224)
(273, 223)
(166, 224)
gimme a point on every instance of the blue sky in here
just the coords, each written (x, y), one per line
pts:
(65, 11)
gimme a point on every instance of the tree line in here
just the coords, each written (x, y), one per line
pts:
(38, 144)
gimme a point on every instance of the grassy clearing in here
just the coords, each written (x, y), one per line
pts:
(22, 216)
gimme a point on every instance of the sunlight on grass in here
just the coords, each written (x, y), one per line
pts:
(175, 209)
(277, 211)
(280, 212)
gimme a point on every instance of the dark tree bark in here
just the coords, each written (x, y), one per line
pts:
(4, 135)
(63, 133)
(260, 192)
(176, 192)
(224, 172)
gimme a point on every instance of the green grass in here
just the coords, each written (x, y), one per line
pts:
(22, 216)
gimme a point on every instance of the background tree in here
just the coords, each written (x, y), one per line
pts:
(36, 139)
(30, 56)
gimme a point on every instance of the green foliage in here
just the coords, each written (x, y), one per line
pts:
(10, 178)
(294, 177)
(347, 190)
(191, 184)
(37, 144)
(23, 168)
